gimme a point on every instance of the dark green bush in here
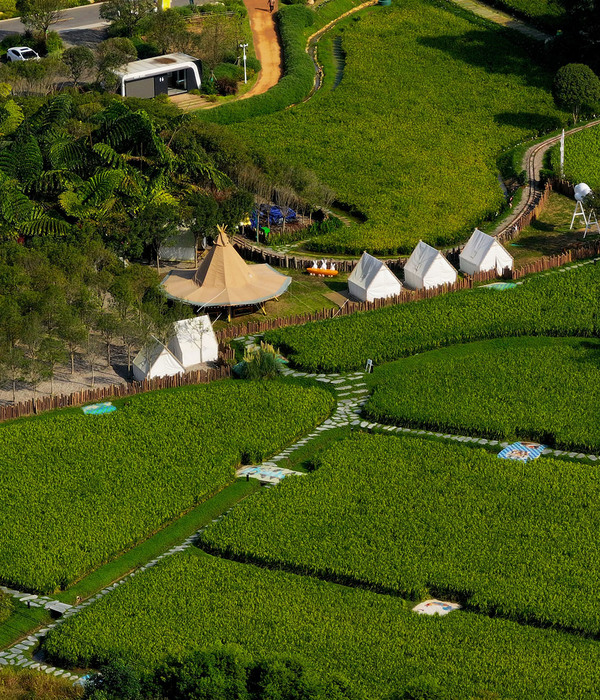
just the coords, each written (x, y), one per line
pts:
(6, 606)
(53, 42)
(263, 365)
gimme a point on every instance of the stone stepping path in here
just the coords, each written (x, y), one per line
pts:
(366, 425)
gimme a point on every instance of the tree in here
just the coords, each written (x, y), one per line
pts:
(219, 35)
(126, 14)
(78, 60)
(112, 55)
(52, 352)
(576, 88)
(168, 31)
(117, 680)
(38, 15)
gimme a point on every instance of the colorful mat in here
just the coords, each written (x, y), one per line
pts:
(522, 451)
(99, 408)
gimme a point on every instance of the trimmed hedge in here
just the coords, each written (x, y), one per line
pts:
(298, 73)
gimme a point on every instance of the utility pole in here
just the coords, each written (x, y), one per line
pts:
(244, 47)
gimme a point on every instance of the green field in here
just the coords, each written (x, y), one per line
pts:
(549, 14)
(418, 518)
(556, 304)
(582, 153)
(75, 490)
(373, 640)
(545, 389)
(371, 140)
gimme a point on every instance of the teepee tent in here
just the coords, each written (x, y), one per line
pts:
(482, 253)
(155, 360)
(427, 268)
(194, 342)
(224, 279)
(372, 279)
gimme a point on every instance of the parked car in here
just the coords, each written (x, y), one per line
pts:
(22, 53)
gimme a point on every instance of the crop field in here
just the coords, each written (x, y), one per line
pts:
(582, 153)
(417, 517)
(75, 489)
(401, 139)
(557, 304)
(545, 389)
(373, 640)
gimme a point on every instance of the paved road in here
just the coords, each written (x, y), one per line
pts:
(74, 19)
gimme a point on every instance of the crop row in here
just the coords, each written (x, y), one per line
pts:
(401, 139)
(545, 389)
(416, 516)
(193, 601)
(75, 489)
(558, 304)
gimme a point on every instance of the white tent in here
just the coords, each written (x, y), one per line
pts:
(155, 360)
(179, 248)
(482, 253)
(427, 268)
(372, 279)
(194, 341)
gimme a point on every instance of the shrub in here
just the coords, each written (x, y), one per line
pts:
(54, 44)
(6, 606)
(260, 363)
(226, 86)
(577, 88)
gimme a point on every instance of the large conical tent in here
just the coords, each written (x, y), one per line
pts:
(224, 279)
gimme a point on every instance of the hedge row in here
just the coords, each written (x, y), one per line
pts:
(557, 304)
(418, 517)
(75, 489)
(298, 73)
(192, 601)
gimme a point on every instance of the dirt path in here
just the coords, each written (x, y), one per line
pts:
(493, 15)
(266, 46)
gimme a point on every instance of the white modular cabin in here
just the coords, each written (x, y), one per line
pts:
(428, 268)
(171, 74)
(155, 360)
(372, 279)
(483, 253)
(194, 342)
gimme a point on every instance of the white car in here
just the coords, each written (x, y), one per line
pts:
(22, 53)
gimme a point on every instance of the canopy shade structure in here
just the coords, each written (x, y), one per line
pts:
(483, 253)
(224, 279)
(372, 279)
(427, 268)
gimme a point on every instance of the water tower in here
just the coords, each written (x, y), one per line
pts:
(581, 191)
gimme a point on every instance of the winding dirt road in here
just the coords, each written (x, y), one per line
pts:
(266, 46)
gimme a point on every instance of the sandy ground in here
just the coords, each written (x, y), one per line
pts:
(67, 383)
(266, 45)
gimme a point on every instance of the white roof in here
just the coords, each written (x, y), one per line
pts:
(157, 64)
(367, 270)
(478, 246)
(192, 330)
(422, 258)
(194, 342)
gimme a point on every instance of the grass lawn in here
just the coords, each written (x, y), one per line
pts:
(305, 295)
(550, 234)
(371, 138)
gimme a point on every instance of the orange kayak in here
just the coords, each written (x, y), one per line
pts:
(324, 273)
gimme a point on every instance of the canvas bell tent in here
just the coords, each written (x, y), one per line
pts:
(372, 279)
(427, 268)
(155, 360)
(223, 279)
(194, 342)
(483, 253)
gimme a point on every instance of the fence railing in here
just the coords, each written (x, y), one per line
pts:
(113, 391)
